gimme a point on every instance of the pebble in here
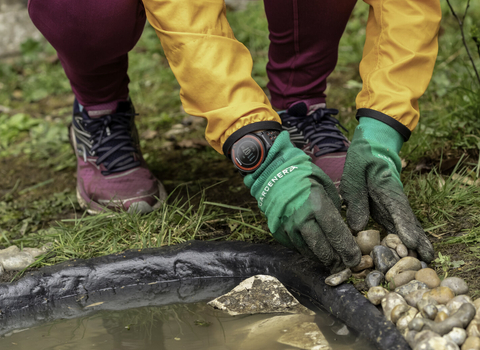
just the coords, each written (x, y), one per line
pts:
(389, 302)
(473, 329)
(14, 259)
(410, 338)
(413, 297)
(402, 323)
(376, 294)
(441, 295)
(410, 287)
(441, 316)
(394, 252)
(404, 264)
(365, 263)
(457, 335)
(427, 309)
(338, 278)
(471, 343)
(454, 304)
(412, 253)
(459, 319)
(403, 278)
(391, 241)
(374, 278)
(436, 343)
(429, 277)
(402, 250)
(398, 311)
(456, 284)
(424, 264)
(361, 275)
(383, 258)
(368, 239)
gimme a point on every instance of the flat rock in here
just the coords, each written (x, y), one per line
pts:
(368, 239)
(259, 294)
(383, 258)
(457, 285)
(291, 330)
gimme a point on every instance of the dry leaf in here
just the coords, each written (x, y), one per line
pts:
(149, 134)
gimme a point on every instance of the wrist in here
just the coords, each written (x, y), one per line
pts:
(377, 132)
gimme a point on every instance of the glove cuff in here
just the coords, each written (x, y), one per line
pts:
(377, 132)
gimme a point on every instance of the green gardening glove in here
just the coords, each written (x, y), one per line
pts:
(302, 206)
(371, 185)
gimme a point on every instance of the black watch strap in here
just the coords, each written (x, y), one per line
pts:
(265, 125)
(249, 152)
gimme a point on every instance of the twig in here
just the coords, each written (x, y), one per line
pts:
(460, 24)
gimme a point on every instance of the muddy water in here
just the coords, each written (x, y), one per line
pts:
(181, 326)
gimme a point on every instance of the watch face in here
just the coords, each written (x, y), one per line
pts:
(248, 153)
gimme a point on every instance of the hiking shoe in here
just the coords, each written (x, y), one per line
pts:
(315, 131)
(111, 172)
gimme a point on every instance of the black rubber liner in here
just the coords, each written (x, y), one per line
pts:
(190, 272)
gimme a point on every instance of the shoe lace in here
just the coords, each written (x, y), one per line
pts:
(111, 140)
(319, 128)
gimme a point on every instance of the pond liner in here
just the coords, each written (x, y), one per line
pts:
(187, 272)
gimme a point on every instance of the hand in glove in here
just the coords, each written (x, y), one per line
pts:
(302, 206)
(371, 185)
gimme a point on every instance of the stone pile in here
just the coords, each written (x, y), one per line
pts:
(430, 313)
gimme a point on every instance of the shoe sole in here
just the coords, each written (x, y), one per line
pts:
(141, 207)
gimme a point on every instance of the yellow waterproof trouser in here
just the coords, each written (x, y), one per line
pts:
(214, 69)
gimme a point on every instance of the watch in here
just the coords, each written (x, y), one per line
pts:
(249, 152)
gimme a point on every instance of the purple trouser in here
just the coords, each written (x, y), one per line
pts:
(93, 38)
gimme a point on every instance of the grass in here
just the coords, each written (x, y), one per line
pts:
(37, 168)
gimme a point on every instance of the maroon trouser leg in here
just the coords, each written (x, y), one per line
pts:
(304, 37)
(92, 39)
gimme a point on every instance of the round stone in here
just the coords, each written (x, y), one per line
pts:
(471, 343)
(454, 304)
(403, 278)
(376, 294)
(404, 264)
(412, 253)
(429, 277)
(389, 302)
(456, 284)
(365, 263)
(368, 239)
(457, 335)
(424, 264)
(441, 295)
(374, 278)
(383, 258)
